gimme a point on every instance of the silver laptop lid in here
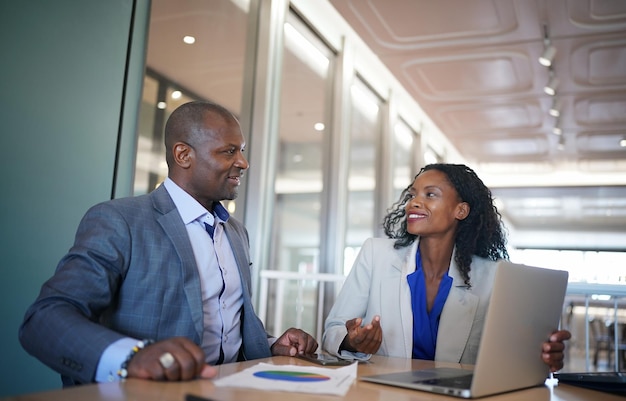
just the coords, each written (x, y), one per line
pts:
(525, 308)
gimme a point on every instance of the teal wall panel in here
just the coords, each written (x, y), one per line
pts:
(62, 81)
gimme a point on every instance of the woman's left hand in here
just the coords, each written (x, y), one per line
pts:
(552, 350)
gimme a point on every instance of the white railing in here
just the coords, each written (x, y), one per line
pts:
(281, 277)
(617, 294)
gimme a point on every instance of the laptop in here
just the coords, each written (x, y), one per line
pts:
(525, 308)
(610, 382)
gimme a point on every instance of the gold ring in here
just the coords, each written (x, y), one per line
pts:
(167, 360)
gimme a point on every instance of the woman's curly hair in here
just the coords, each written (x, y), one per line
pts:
(481, 233)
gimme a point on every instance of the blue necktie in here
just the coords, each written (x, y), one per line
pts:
(209, 228)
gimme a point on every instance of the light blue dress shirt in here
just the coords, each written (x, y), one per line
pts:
(222, 296)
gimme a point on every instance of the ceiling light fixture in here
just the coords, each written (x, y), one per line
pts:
(561, 143)
(622, 142)
(552, 85)
(547, 56)
(549, 51)
(190, 40)
(555, 109)
(557, 130)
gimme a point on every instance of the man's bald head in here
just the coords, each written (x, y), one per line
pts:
(188, 124)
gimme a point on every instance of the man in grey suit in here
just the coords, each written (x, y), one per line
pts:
(158, 286)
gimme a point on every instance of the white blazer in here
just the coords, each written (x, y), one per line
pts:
(377, 285)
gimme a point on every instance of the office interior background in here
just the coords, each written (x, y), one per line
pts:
(341, 103)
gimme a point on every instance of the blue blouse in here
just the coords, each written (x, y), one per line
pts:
(425, 324)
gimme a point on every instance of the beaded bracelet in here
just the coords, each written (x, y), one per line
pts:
(123, 372)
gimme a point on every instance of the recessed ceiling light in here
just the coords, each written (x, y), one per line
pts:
(190, 40)
(161, 105)
(622, 142)
(557, 127)
(176, 95)
(555, 109)
(551, 86)
(319, 126)
(548, 56)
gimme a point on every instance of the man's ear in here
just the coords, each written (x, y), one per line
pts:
(462, 210)
(183, 153)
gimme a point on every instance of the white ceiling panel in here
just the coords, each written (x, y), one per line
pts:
(473, 68)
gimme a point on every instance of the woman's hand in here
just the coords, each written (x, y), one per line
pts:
(552, 350)
(366, 339)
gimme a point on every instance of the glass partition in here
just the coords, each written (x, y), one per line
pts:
(196, 50)
(405, 144)
(305, 95)
(365, 136)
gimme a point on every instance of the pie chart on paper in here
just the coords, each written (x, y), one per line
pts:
(291, 376)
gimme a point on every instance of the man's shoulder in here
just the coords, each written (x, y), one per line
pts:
(132, 206)
(129, 201)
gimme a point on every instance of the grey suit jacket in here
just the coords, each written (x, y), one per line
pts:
(377, 285)
(131, 272)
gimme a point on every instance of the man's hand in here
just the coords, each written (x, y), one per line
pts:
(366, 339)
(552, 350)
(184, 362)
(294, 341)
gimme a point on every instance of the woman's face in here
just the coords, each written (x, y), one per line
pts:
(434, 206)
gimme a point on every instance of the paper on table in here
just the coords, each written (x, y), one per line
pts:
(297, 378)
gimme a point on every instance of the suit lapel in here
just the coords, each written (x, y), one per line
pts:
(405, 262)
(254, 337)
(241, 259)
(457, 318)
(174, 228)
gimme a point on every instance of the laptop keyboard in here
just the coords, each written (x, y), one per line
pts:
(461, 382)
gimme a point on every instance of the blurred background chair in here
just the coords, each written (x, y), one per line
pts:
(603, 340)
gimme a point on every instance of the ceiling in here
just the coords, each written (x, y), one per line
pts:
(472, 65)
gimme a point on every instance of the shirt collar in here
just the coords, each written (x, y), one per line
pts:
(190, 209)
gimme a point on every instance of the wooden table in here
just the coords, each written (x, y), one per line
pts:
(141, 390)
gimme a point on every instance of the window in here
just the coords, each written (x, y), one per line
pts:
(365, 133)
(405, 147)
(195, 51)
(303, 132)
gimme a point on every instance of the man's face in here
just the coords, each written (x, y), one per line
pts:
(217, 161)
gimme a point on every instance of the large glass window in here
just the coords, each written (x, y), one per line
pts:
(303, 132)
(365, 133)
(404, 149)
(196, 50)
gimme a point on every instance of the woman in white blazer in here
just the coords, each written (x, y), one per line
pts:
(423, 292)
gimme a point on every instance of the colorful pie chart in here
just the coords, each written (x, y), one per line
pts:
(291, 376)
